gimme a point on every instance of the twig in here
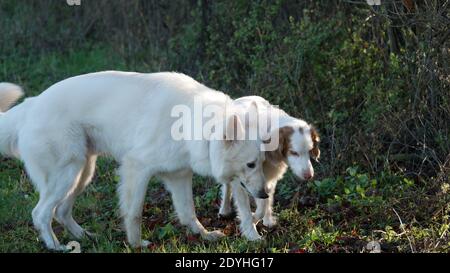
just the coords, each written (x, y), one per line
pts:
(404, 231)
(440, 238)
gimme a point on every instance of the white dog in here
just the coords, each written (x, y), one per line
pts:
(60, 133)
(298, 141)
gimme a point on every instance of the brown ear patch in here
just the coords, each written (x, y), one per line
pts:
(284, 144)
(285, 140)
(315, 152)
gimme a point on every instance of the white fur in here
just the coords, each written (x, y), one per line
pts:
(301, 143)
(60, 133)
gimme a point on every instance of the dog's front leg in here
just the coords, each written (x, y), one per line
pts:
(225, 205)
(264, 208)
(180, 186)
(261, 209)
(242, 202)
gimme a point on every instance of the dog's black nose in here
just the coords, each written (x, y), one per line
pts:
(262, 194)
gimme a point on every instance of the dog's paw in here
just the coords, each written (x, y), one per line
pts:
(73, 247)
(250, 233)
(56, 248)
(253, 236)
(145, 243)
(257, 217)
(213, 235)
(53, 246)
(270, 222)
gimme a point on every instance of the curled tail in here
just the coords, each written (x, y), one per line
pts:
(9, 94)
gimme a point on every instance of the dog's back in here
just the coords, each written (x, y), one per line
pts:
(111, 108)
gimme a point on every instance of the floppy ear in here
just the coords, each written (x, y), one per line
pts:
(234, 130)
(284, 143)
(285, 140)
(315, 152)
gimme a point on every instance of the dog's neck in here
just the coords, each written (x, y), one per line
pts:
(274, 169)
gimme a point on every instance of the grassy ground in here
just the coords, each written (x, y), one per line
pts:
(306, 222)
(330, 214)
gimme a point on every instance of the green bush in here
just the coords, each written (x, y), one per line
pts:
(374, 82)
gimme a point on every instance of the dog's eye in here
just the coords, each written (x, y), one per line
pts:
(251, 165)
(294, 153)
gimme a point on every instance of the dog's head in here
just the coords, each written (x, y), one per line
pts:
(297, 145)
(235, 157)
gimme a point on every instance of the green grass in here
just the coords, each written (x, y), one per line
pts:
(336, 224)
(331, 214)
(313, 220)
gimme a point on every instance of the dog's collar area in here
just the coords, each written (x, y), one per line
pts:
(243, 185)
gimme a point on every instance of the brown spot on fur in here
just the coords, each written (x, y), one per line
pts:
(284, 144)
(315, 152)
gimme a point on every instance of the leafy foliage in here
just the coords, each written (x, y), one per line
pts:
(375, 82)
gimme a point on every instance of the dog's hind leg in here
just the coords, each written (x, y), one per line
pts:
(180, 186)
(64, 211)
(59, 182)
(135, 176)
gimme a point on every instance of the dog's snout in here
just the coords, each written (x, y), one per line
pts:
(307, 175)
(262, 194)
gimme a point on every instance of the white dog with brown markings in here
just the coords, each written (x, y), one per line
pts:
(298, 143)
